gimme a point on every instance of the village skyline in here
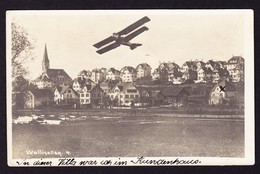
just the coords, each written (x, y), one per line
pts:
(70, 38)
(135, 66)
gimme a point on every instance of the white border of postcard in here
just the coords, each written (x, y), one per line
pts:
(249, 158)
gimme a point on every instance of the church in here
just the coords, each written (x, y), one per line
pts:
(51, 78)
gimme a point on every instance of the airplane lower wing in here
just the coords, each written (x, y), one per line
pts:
(108, 48)
(104, 42)
(134, 26)
(135, 33)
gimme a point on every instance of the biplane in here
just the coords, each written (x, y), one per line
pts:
(123, 37)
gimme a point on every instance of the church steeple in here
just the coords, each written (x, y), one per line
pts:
(45, 61)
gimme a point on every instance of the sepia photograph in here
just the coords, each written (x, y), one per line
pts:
(130, 87)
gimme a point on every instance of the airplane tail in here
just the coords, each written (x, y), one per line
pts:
(134, 45)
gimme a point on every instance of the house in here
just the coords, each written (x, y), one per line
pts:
(124, 93)
(223, 93)
(128, 74)
(176, 95)
(215, 64)
(104, 72)
(96, 95)
(224, 74)
(85, 95)
(189, 71)
(143, 70)
(219, 74)
(90, 95)
(189, 75)
(174, 75)
(199, 64)
(151, 95)
(188, 65)
(112, 74)
(79, 82)
(204, 75)
(156, 74)
(215, 75)
(222, 64)
(60, 77)
(36, 98)
(97, 75)
(86, 74)
(235, 66)
(17, 100)
(167, 72)
(237, 74)
(51, 77)
(43, 82)
(201, 75)
(107, 85)
(210, 64)
(65, 95)
(199, 95)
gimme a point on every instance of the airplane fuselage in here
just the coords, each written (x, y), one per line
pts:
(121, 41)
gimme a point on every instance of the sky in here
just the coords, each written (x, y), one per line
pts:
(175, 36)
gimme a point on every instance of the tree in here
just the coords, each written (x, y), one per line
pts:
(21, 50)
(21, 53)
(20, 84)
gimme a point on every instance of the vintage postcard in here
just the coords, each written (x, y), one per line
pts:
(130, 87)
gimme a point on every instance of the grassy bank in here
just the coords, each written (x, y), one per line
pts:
(133, 136)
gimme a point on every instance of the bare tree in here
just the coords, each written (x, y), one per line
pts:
(21, 50)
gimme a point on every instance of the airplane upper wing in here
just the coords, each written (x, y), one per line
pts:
(135, 33)
(104, 42)
(134, 26)
(108, 48)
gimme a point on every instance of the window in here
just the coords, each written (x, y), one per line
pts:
(136, 96)
(221, 94)
(69, 91)
(87, 95)
(82, 95)
(82, 100)
(131, 91)
(126, 101)
(126, 96)
(68, 95)
(112, 96)
(132, 96)
(87, 100)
